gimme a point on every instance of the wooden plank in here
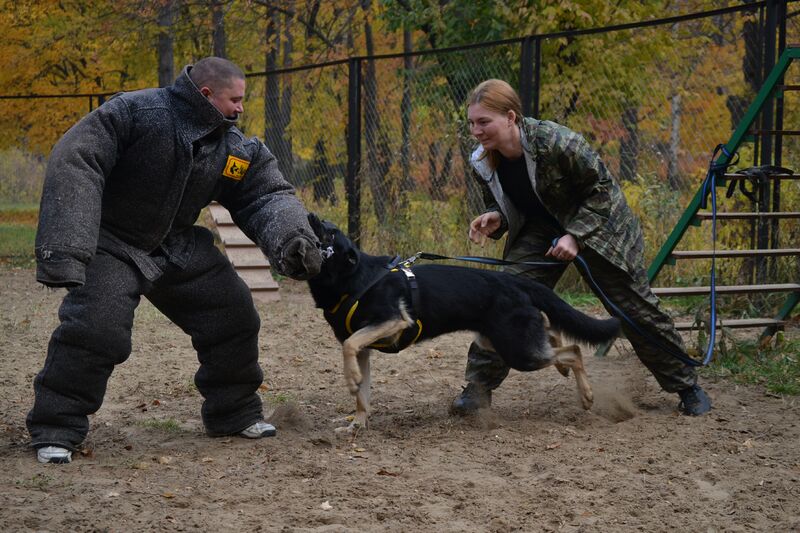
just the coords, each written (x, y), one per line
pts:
(705, 254)
(257, 277)
(246, 255)
(731, 215)
(726, 289)
(737, 176)
(774, 132)
(232, 234)
(247, 259)
(740, 323)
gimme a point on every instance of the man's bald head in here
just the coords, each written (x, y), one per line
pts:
(215, 73)
(222, 83)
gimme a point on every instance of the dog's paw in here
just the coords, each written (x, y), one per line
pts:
(344, 431)
(352, 429)
(587, 399)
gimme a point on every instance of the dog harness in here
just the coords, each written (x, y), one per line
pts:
(341, 315)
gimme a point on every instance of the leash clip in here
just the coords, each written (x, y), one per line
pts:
(326, 252)
(408, 262)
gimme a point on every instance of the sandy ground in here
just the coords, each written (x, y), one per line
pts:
(535, 462)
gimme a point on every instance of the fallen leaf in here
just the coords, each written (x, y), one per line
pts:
(164, 460)
(263, 388)
(326, 506)
(553, 446)
(156, 402)
(168, 495)
(112, 494)
(384, 472)
(207, 460)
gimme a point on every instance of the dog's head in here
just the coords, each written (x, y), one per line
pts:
(340, 255)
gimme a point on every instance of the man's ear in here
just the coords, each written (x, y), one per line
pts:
(205, 91)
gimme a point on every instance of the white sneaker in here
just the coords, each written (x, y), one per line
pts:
(259, 430)
(54, 454)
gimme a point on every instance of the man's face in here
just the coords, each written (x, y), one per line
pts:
(227, 100)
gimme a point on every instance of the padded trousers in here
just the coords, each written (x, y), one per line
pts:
(206, 299)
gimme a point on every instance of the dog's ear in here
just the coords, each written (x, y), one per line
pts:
(352, 256)
(316, 226)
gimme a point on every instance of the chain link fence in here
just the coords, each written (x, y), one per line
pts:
(653, 99)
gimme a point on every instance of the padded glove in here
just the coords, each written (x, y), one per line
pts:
(301, 258)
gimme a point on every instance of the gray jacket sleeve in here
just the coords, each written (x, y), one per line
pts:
(265, 207)
(490, 204)
(69, 214)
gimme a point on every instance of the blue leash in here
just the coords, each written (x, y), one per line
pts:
(710, 188)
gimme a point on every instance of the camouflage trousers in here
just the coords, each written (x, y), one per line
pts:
(629, 291)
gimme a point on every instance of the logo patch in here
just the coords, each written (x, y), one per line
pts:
(235, 168)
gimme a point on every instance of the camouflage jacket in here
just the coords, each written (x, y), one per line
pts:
(133, 175)
(574, 186)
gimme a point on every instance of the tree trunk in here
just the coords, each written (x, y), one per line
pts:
(673, 172)
(439, 177)
(323, 185)
(378, 155)
(405, 116)
(629, 147)
(218, 31)
(274, 120)
(286, 104)
(166, 33)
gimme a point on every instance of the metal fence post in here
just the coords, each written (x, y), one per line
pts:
(526, 75)
(353, 183)
(537, 75)
(530, 75)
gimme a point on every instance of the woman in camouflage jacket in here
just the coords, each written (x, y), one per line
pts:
(542, 181)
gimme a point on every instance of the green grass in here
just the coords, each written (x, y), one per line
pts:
(169, 425)
(37, 481)
(774, 364)
(279, 398)
(17, 233)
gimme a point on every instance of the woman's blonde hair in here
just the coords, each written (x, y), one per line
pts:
(498, 96)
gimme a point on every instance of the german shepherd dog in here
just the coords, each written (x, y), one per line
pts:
(370, 305)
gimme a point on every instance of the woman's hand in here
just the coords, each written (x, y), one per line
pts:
(483, 226)
(565, 249)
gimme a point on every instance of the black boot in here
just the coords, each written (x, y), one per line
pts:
(694, 401)
(472, 398)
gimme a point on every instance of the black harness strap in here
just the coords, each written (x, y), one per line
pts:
(341, 315)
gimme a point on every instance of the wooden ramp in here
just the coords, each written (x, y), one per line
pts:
(246, 257)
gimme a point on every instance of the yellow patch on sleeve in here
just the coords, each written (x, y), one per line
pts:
(235, 168)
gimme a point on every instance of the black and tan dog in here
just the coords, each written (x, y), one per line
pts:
(372, 303)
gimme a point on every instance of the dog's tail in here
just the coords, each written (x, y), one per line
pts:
(568, 320)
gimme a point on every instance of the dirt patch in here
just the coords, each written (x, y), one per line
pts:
(535, 462)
